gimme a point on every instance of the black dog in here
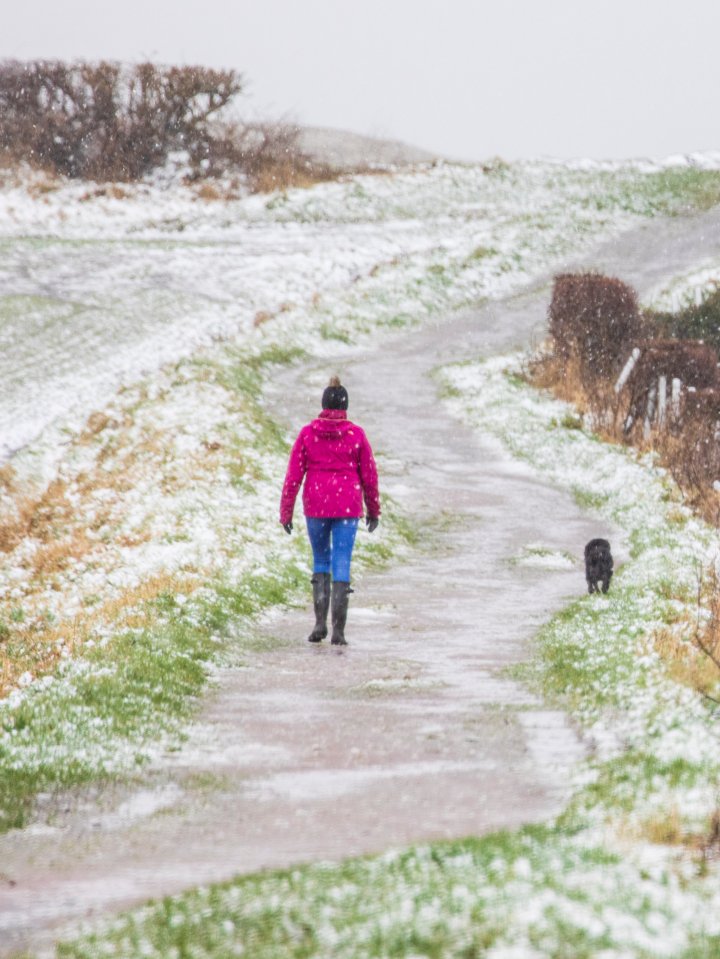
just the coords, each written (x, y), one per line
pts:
(598, 565)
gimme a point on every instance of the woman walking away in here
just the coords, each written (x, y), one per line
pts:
(334, 458)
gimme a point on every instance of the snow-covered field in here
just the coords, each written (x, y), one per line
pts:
(137, 328)
(101, 286)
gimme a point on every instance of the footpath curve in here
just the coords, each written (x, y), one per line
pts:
(414, 732)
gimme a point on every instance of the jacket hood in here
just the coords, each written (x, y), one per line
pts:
(331, 424)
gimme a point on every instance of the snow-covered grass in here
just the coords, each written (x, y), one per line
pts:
(147, 521)
(688, 289)
(533, 893)
(102, 287)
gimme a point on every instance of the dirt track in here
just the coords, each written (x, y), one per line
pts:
(412, 732)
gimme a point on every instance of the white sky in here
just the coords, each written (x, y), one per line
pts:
(465, 78)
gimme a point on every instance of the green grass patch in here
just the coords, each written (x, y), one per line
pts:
(669, 192)
(588, 499)
(630, 779)
(702, 947)
(482, 253)
(243, 373)
(143, 684)
(439, 901)
(331, 331)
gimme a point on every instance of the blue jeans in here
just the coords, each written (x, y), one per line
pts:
(332, 542)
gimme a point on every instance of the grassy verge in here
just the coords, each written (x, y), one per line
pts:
(100, 715)
(670, 192)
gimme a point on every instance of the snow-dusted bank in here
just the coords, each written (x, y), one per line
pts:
(688, 289)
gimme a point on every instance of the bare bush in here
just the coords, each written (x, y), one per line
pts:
(594, 318)
(269, 156)
(594, 325)
(693, 362)
(692, 456)
(103, 121)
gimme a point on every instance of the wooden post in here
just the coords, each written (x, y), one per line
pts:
(675, 399)
(627, 369)
(662, 402)
(650, 410)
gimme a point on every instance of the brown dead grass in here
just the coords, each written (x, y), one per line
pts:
(559, 375)
(701, 841)
(55, 557)
(690, 648)
(110, 190)
(666, 829)
(565, 379)
(37, 649)
(685, 663)
(42, 186)
(41, 517)
(286, 175)
(693, 459)
(208, 192)
(7, 478)
(58, 526)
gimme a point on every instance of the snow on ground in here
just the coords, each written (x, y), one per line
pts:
(137, 324)
(102, 285)
(689, 289)
(101, 288)
(105, 286)
(184, 303)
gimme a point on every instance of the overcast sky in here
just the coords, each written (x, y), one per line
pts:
(465, 78)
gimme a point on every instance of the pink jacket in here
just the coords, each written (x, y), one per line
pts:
(334, 458)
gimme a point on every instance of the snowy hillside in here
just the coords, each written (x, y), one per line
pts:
(104, 285)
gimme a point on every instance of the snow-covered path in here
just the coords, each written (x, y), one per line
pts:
(412, 732)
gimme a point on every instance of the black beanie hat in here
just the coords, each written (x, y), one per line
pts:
(335, 396)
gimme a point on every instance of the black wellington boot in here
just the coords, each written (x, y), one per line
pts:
(340, 596)
(321, 604)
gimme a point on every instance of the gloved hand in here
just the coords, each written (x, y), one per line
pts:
(288, 527)
(371, 522)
